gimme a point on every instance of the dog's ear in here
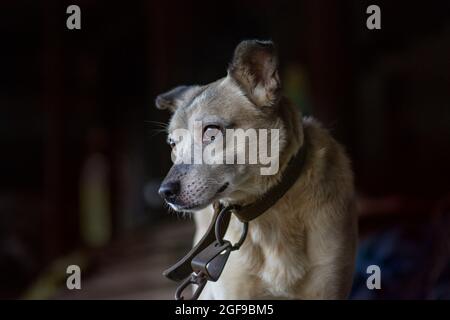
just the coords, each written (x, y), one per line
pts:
(255, 68)
(176, 97)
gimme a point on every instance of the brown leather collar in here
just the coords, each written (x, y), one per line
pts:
(289, 177)
(183, 268)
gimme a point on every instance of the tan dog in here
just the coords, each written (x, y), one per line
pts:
(304, 246)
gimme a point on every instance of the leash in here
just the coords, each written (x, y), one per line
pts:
(207, 259)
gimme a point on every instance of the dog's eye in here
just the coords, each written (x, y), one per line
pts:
(210, 133)
(171, 143)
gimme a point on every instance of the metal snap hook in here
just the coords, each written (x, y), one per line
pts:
(198, 279)
(238, 244)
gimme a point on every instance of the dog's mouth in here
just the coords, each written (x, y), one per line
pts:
(222, 188)
(197, 205)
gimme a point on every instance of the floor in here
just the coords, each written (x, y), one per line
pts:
(132, 268)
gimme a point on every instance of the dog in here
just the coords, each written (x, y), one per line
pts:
(304, 246)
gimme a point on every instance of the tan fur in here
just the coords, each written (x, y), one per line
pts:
(304, 246)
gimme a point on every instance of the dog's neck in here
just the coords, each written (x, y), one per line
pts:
(293, 136)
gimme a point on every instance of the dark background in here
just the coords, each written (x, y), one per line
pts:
(67, 96)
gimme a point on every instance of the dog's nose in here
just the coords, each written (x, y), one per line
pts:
(169, 190)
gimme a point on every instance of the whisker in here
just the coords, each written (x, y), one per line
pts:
(157, 131)
(157, 123)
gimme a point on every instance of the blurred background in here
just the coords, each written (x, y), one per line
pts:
(82, 150)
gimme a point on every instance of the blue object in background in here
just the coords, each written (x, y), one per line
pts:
(413, 262)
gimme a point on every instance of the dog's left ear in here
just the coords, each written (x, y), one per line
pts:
(176, 97)
(255, 68)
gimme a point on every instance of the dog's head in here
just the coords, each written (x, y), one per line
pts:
(247, 98)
